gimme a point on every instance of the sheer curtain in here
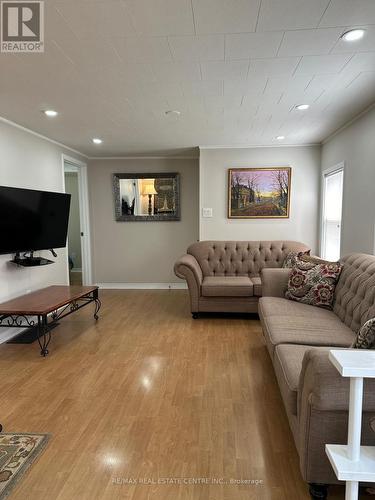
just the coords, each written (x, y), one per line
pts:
(130, 191)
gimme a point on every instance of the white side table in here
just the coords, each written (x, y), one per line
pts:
(353, 463)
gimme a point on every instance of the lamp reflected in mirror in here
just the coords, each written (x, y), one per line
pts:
(150, 191)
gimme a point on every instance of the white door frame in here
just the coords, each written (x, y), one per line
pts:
(336, 168)
(84, 216)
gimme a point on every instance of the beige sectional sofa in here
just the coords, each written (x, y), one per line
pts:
(298, 338)
(225, 276)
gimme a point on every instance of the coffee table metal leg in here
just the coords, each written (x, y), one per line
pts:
(44, 335)
(98, 304)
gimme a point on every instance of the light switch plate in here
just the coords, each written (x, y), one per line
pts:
(207, 212)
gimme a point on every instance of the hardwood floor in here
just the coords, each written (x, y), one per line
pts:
(75, 277)
(148, 393)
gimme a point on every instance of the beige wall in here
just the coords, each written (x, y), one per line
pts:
(355, 145)
(74, 230)
(303, 222)
(30, 162)
(139, 252)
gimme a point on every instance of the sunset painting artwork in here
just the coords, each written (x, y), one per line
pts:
(259, 193)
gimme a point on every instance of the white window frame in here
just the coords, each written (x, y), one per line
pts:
(339, 167)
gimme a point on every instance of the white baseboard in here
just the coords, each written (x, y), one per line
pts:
(143, 286)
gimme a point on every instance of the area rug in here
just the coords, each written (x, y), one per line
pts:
(17, 453)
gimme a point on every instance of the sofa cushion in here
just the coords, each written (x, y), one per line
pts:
(288, 366)
(366, 336)
(227, 286)
(287, 322)
(313, 281)
(291, 259)
(257, 282)
(280, 306)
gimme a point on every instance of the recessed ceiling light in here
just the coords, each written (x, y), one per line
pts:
(50, 112)
(280, 137)
(96, 140)
(173, 112)
(301, 107)
(353, 35)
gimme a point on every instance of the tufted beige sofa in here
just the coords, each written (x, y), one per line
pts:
(298, 338)
(224, 276)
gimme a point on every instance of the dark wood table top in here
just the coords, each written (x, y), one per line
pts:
(45, 300)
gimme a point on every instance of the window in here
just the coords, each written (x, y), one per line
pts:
(333, 183)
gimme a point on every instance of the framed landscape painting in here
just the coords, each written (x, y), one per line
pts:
(259, 193)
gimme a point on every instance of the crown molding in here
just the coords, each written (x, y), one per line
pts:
(257, 146)
(350, 122)
(41, 136)
(143, 158)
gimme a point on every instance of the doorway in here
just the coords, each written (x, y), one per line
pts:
(333, 185)
(74, 227)
(78, 242)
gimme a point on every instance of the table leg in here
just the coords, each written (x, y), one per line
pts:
(44, 335)
(98, 304)
(351, 492)
(354, 431)
(355, 418)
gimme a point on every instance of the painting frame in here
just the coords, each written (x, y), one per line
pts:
(174, 176)
(231, 213)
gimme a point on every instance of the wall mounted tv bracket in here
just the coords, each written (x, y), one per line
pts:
(28, 260)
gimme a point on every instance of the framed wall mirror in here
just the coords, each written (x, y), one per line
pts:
(147, 197)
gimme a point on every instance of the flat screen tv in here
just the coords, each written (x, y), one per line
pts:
(32, 220)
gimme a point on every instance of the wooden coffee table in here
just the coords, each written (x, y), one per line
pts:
(43, 308)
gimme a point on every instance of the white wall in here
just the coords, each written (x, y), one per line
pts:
(355, 145)
(304, 211)
(27, 161)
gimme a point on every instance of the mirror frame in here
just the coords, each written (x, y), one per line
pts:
(147, 218)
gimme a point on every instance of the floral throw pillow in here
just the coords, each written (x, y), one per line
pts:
(292, 257)
(366, 336)
(313, 281)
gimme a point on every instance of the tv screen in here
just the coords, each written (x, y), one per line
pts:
(32, 220)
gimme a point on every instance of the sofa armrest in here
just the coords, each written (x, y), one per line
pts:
(185, 264)
(274, 281)
(324, 388)
(187, 268)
